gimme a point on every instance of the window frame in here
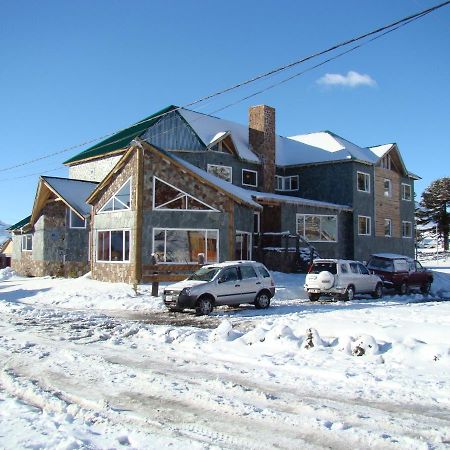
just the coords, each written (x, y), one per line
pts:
(249, 249)
(127, 208)
(387, 194)
(208, 166)
(404, 222)
(320, 216)
(390, 227)
(404, 185)
(369, 233)
(366, 177)
(71, 213)
(158, 229)
(209, 208)
(124, 261)
(25, 237)
(256, 178)
(283, 180)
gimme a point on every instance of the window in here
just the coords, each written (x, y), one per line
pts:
(229, 274)
(263, 272)
(289, 183)
(179, 245)
(406, 229)
(167, 197)
(113, 246)
(318, 267)
(120, 201)
(363, 182)
(406, 192)
(387, 227)
(317, 228)
(249, 178)
(363, 269)
(386, 162)
(27, 243)
(75, 221)
(224, 172)
(242, 246)
(354, 267)
(344, 268)
(364, 226)
(387, 186)
(248, 272)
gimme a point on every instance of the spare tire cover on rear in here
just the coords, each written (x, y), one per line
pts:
(325, 279)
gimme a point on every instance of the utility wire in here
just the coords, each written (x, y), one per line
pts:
(394, 26)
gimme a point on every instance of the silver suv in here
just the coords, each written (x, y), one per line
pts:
(342, 279)
(227, 283)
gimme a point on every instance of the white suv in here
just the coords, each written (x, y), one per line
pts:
(342, 279)
(227, 283)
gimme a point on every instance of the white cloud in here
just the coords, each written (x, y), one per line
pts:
(352, 79)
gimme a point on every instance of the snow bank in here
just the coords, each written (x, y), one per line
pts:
(6, 273)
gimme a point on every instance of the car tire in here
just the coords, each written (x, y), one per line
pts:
(204, 306)
(262, 301)
(403, 288)
(378, 292)
(350, 293)
(425, 288)
(314, 297)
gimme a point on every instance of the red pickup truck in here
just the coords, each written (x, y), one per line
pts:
(400, 272)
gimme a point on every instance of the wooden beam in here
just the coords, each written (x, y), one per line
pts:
(138, 215)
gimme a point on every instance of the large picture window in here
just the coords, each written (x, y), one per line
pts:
(168, 197)
(364, 225)
(317, 228)
(177, 245)
(113, 246)
(120, 201)
(363, 182)
(27, 242)
(224, 172)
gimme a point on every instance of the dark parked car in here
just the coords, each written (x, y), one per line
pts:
(400, 272)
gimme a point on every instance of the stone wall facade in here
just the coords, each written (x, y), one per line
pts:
(94, 170)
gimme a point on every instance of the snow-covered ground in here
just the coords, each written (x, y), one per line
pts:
(86, 364)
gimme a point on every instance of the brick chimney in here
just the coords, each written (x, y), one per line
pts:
(261, 137)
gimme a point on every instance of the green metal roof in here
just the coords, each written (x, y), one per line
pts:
(20, 224)
(121, 139)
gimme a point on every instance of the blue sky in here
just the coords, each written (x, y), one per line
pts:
(73, 71)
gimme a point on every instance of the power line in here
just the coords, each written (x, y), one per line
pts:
(387, 28)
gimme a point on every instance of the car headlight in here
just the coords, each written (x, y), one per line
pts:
(186, 291)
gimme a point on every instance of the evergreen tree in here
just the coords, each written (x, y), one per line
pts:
(435, 208)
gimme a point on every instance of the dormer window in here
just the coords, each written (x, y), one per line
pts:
(120, 201)
(386, 162)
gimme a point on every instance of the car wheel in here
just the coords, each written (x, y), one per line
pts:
(204, 306)
(425, 288)
(262, 301)
(350, 293)
(378, 292)
(404, 288)
(314, 297)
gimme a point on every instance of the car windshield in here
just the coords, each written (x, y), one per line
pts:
(318, 267)
(381, 264)
(204, 274)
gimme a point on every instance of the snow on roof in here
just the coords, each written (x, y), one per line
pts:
(326, 146)
(381, 150)
(236, 191)
(74, 192)
(298, 200)
(208, 128)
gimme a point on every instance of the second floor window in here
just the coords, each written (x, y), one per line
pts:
(224, 172)
(289, 183)
(387, 186)
(406, 192)
(249, 178)
(363, 182)
(364, 225)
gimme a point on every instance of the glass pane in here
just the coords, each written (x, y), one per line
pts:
(109, 205)
(301, 225)
(127, 245)
(124, 195)
(248, 177)
(177, 246)
(329, 228)
(75, 221)
(312, 228)
(211, 246)
(195, 204)
(165, 193)
(362, 182)
(238, 247)
(103, 246)
(117, 246)
(294, 183)
(248, 272)
(158, 245)
(223, 172)
(196, 244)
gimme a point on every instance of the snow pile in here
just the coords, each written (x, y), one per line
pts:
(6, 273)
